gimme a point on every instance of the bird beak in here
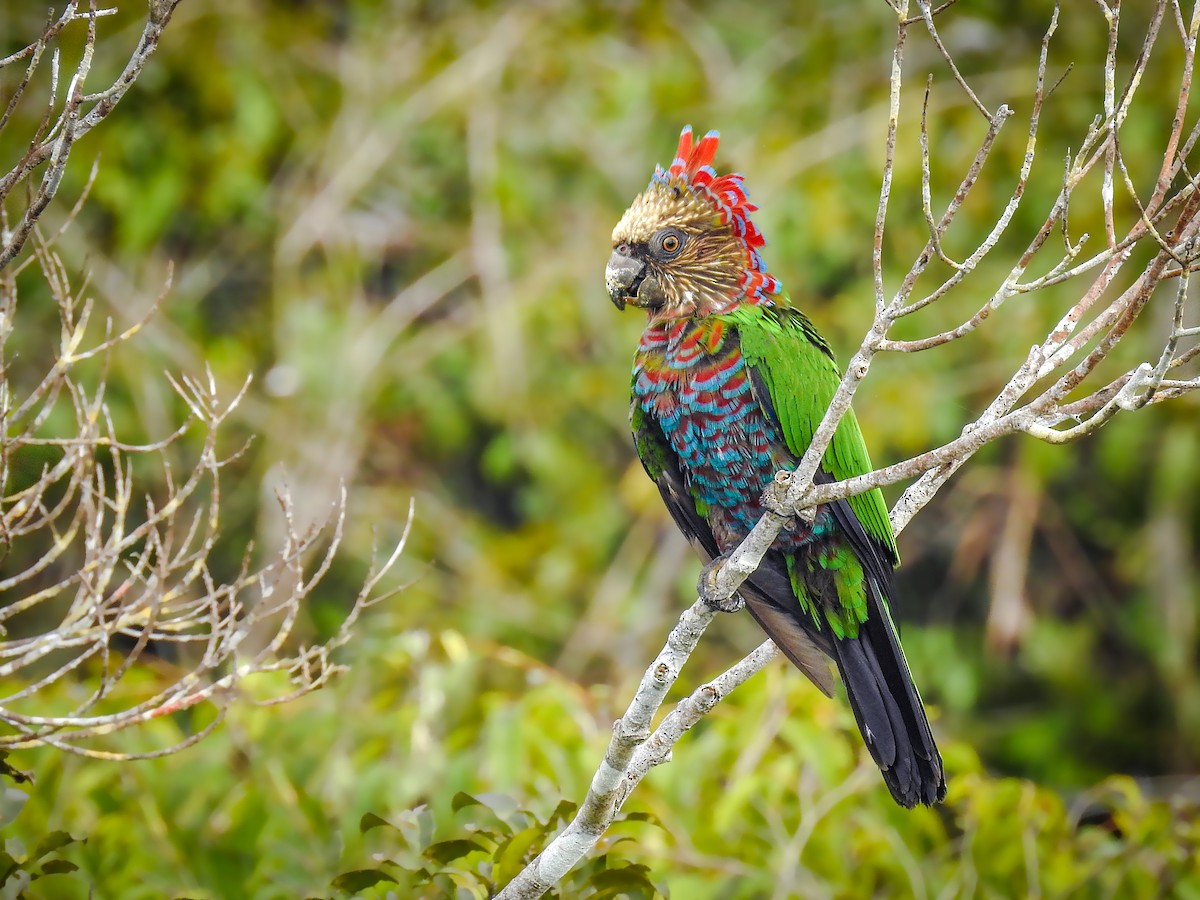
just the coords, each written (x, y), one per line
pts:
(623, 276)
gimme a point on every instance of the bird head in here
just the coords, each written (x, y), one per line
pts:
(686, 246)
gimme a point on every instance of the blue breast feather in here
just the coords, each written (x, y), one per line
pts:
(722, 438)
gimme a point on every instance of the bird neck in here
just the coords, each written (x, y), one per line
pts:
(681, 342)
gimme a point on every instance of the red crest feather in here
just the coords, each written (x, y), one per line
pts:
(692, 170)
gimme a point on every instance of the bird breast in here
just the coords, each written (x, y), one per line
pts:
(697, 387)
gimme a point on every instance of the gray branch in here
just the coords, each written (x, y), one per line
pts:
(635, 749)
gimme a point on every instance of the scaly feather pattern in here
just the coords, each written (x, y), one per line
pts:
(729, 383)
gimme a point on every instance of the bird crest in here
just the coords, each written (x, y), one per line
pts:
(692, 170)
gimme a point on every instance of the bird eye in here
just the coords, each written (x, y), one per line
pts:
(670, 242)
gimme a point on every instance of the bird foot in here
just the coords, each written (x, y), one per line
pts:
(709, 592)
(774, 498)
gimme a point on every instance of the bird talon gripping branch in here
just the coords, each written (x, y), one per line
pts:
(774, 498)
(709, 591)
(730, 381)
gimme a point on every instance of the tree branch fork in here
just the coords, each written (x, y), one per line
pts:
(1039, 399)
(99, 568)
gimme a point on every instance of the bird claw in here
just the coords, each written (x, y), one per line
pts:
(774, 498)
(710, 593)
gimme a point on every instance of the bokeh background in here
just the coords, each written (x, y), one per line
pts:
(395, 216)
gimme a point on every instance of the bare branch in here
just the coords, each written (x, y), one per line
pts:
(71, 122)
(104, 566)
(1049, 396)
(927, 17)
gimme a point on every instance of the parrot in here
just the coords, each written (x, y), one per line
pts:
(730, 380)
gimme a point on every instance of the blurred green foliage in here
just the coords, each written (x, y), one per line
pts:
(395, 216)
(363, 783)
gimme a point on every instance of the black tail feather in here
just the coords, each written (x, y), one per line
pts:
(882, 694)
(890, 713)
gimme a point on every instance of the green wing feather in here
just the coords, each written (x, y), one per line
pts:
(801, 375)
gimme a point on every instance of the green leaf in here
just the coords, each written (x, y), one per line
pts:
(55, 840)
(448, 851)
(476, 885)
(8, 866)
(641, 817)
(563, 812)
(58, 867)
(370, 820)
(485, 807)
(361, 879)
(610, 841)
(462, 800)
(8, 771)
(502, 805)
(632, 879)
